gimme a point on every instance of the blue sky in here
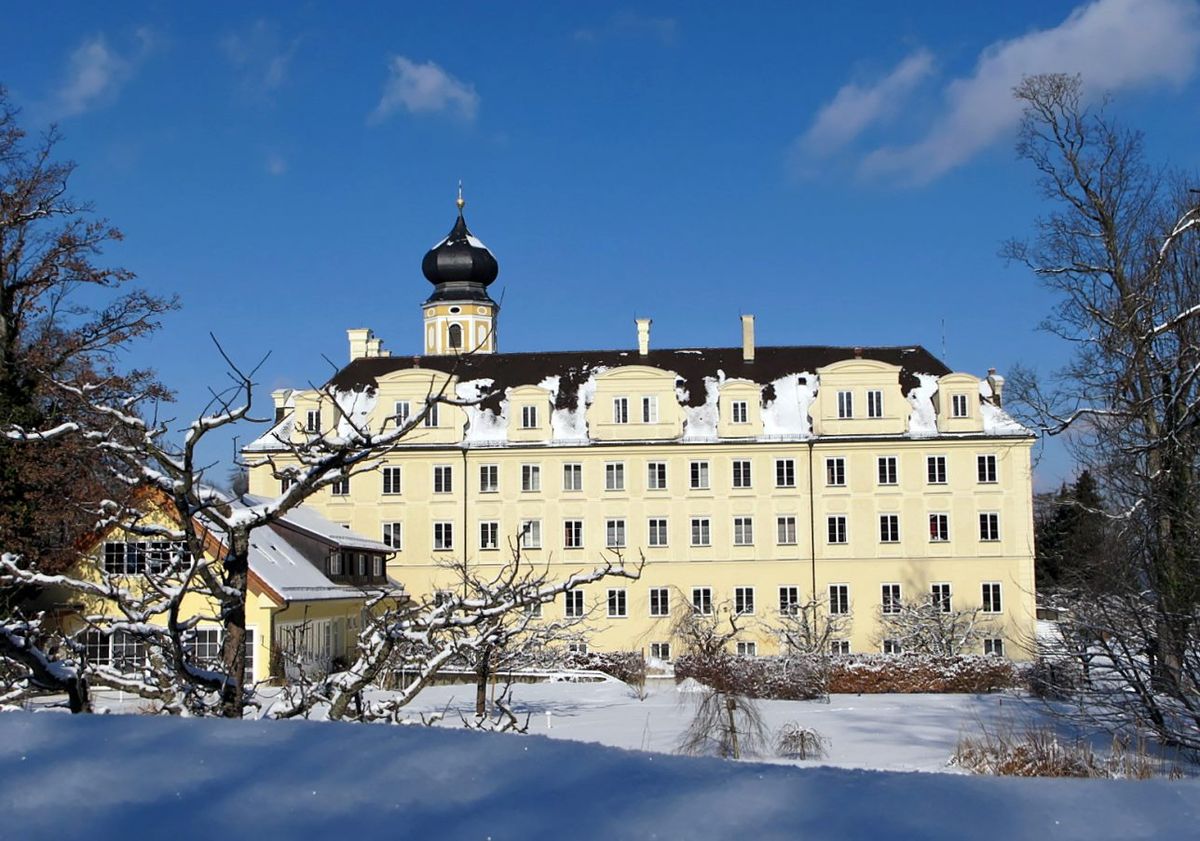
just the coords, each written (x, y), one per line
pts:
(844, 171)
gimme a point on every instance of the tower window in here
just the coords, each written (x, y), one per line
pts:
(455, 310)
(456, 336)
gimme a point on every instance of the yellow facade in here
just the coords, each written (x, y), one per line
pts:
(446, 472)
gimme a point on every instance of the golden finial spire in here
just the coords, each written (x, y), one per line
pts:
(461, 202)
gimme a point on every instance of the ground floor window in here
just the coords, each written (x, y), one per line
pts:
(747, 649)
(837, 647)
(994, 645)
(660, 650)
(891, 647)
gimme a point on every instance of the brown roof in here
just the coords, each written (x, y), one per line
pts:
(509, 370)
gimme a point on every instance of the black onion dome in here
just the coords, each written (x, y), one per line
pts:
(460, 258)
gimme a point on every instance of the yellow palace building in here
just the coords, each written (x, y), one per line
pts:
(753, 477)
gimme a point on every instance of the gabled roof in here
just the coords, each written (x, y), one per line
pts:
(309, 522)
(290, 573)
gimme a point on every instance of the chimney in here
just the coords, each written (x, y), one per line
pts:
(375, 348)
(997, 383)
(360, 338)
(643, 328)
(747, 338)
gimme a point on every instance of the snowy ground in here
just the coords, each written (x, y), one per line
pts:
(884, 732)
(123, 777)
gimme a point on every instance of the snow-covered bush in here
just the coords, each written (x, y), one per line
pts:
(805, 678)
(796, 742)
(627, 666)
(1041, 752)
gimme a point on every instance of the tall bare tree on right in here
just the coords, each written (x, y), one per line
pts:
(1120, 247)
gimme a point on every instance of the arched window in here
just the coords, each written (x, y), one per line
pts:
(456, 336)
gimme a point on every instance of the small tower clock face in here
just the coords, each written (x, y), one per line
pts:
(481, 310)
(430, 312)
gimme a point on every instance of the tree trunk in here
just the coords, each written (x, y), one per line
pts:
(482, 672)
(730, 707)
(233, 654)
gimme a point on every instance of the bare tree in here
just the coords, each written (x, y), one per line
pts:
(931, 626)
(1121, 250)
(810, 629)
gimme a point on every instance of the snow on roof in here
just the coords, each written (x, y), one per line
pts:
(308, 521)
(287, 571)
(996, 421)
(275, 437)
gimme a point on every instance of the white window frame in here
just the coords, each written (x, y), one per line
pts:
(941, 596)
(743, 473)
(875, 403)
(935, 470)
(785, 473)
(402, 412)
(489, 478)
(443, 478)
(341, 487)
(839, 648)
(656, 476)
(573, 476)
(743, 601)
(660, 651)
(698, 472)
(835, 469)
(572, 534)
(939, 527)
(960, 406)
(747, 648)
(620, 410)
(989, 526)
(837, 532)
(890, 595)
(650, 409)
(657, 529)
(743, 530)
(889, 528)
(991, 597)
(531, 478)
(839, 599)
(618, 603)
(993, 646)
(888, 471)
(312, 422)
(614, 533)
(531, 534)
(573, 607)
(889, 646)
(702, 601)
(789, 599)
(393, 535)
(529, 417)
(614, 475)
(489, 535)
(701, 531)
(393, 477)
(845, 405)
(431, 414)
(739, 411)
(660, 601)
(443, 536)
(785, 530)
(986, 471)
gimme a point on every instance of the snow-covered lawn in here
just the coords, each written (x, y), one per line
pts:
(125, 777)
(885, 732)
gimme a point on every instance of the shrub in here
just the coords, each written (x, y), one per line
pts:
(1038, 752)
(799, 678)
(798, 742)
(1054, 678)
(627, 666)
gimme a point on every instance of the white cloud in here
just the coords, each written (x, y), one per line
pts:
(94, 75)
(632, 24)
(261, 55)
(1112, 44)
(276, 164)
(855, 107)
(424, 89)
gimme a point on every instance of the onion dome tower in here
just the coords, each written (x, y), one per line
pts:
(460, 316)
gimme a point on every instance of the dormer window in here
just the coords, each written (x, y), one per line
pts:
(741, 411)
(959, 408)
(620, 410)
(874, 404)
(845, 404)
(431, 415)
(650, 409)
(335, 564)
(403, 412)
(529, 417)
(312, 421)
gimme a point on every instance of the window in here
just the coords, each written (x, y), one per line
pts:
(489, 535)
(443, 478)
(534, 610)
(529, 417)
(431, 414)
(874, 404)
(994, 646)
(702, 600)
(341, 487)
(403, 412)
(835, 472)
(839, 599)
(572, 477)
(137, 557)
(785, 473)
(455, 336)
(660, 601)
(206, 645)
(839, 647)
(649, 410)
(531, 478)
(743, 600)
(991, 597)
(616, 603)
(614, 476)
(989, 526)
(620, 410)
(335, 563)
(660, 651)
(939, 597)
(741, 411)
(892, 647)
(887, 470)
(362, 565)
(391, 480)
(890, 598)
(889, 528)
(574, 606)
(789, 600)
(741, 473)
(489, 478)
(935, 470)
(785, 531)
(127, 651)
(837, 528)
(986, 468)
(656, 476)
(699, 479)
(958, 406)
(573, 534)
(443, 536)
(845, 404)
(312, 421)
(939, 527)
(701, 534)
(377, 566)
(614, 534)
(393, 535)
(248, 650)
(743, 531)
(658, 531)
(577, 647)
(747, 649)
(531, 534)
